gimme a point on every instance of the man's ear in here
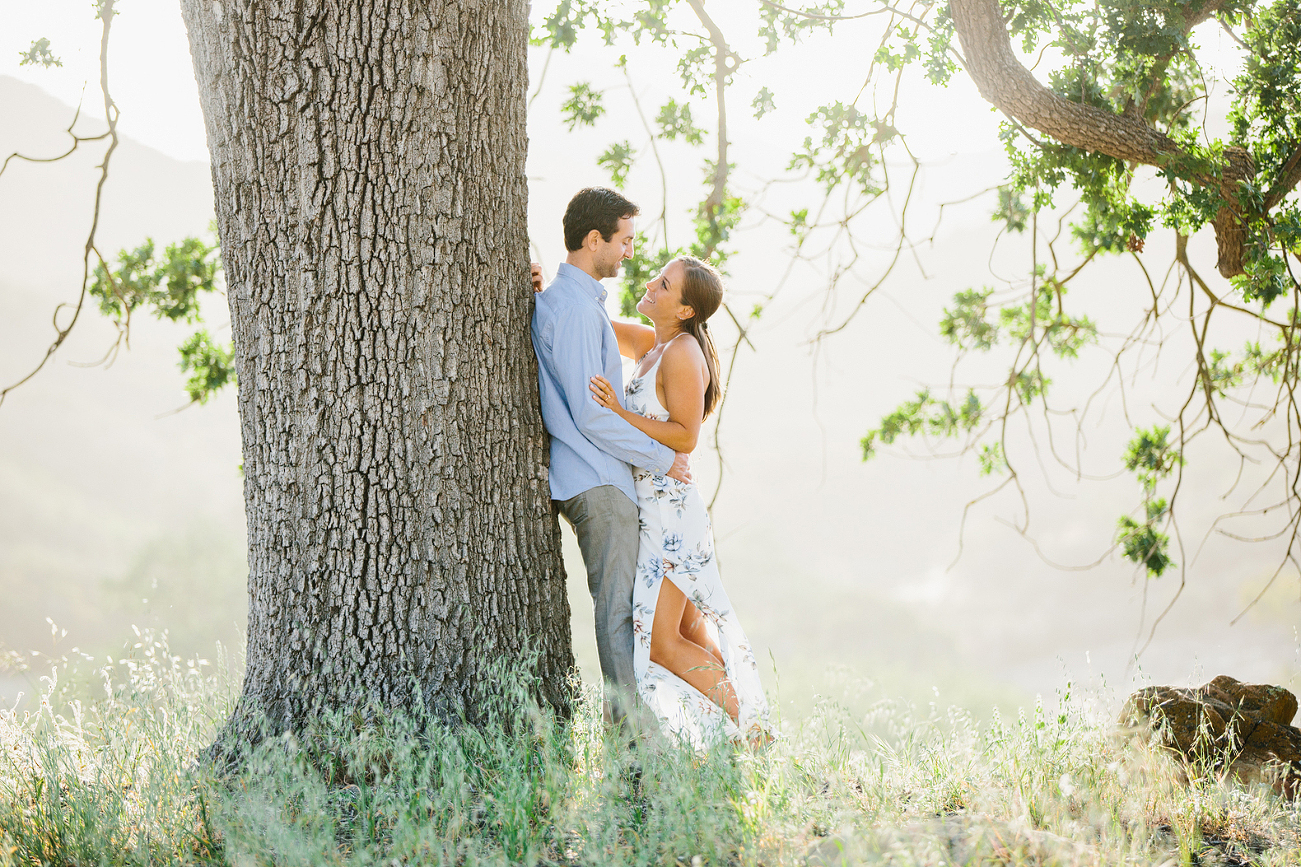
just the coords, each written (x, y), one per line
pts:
(593, 240)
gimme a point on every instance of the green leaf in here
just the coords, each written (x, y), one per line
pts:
(560, 29)
(965, 324)
(190, 268)
(992, 460)
(583, 107)
(39, 53)
(1064, 334)
(1151, 455)
(1030, 384)
(674, 121)
(131, 285)
(939, 62)
(1145, 545)
(896, 60)
(928, 414)
(171, 286)
(211, 367)
(1266, 277)
(1222, 373)
(617, 160)
(847, 151)
(787, 21)
(1012, 210)
(696, 68)
(714, 224)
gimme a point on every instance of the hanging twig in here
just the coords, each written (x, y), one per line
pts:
(61, 332)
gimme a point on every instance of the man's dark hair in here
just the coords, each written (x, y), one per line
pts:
(595, 208)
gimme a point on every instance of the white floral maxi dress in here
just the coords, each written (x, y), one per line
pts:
(677, 542)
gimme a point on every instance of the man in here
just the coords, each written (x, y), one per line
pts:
(591, 447)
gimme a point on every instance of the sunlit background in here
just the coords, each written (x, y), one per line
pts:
(855, 580)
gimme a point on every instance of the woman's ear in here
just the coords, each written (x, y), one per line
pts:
(685, 312)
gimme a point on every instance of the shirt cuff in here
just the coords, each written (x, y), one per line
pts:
(668, 464)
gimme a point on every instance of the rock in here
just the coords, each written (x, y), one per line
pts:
(1269, 703)
(1270, 748)
(1225, 727)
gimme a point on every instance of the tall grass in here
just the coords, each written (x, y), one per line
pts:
(105, 771)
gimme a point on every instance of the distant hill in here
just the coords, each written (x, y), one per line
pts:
(94, 487)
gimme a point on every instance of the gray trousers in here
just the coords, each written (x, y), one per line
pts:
(605, 522)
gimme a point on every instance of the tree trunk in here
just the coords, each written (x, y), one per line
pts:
(368, 160)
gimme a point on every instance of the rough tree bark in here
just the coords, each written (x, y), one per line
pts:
(1005, 82)
(368, 161)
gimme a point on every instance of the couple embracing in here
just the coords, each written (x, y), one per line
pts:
(620, 474)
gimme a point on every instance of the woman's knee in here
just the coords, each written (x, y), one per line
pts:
(666, 647)
(694, 629)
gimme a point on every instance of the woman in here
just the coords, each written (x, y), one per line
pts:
(694, 666)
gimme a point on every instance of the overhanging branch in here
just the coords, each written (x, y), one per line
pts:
(1005, 83)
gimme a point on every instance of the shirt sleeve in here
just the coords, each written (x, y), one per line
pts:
(576, 358)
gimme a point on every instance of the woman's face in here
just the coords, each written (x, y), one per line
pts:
(662, 303)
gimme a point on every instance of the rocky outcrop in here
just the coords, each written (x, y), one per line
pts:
(1225, 727)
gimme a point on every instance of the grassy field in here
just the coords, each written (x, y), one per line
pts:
(105, 773)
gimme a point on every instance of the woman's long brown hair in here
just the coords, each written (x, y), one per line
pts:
(702, 291)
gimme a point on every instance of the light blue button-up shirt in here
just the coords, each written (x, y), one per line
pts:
(574, 341)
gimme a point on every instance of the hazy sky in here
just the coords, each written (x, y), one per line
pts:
(153, 82)
(150, 74)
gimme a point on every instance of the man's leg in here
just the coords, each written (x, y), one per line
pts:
(605, 522)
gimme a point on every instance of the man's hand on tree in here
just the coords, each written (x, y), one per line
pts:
(536, 271)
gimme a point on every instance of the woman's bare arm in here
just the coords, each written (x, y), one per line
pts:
(635, 340)
(683, 373)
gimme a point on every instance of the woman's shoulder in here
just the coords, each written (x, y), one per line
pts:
(683, 351)
(685, 343)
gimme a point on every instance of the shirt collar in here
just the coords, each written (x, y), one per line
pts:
(589, 283)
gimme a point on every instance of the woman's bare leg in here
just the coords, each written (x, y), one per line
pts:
(688, 660)
(693, 629)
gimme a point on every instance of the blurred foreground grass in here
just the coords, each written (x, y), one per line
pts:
(104, 772)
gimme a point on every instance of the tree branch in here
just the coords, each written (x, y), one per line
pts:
(1005, 83)
(714, 204)
(106, 13)
(1287, 180)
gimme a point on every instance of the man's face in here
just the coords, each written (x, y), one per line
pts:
(608, 255)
